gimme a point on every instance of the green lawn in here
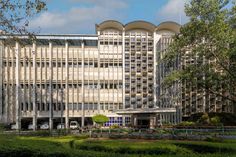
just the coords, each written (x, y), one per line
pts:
(18, 146)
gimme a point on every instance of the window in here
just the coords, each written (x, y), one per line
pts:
(54, 106)
(54, 64)
(70, 106)
(22, 106)
(70, 86)
(79, 106)
(69, 64)
(54, 86)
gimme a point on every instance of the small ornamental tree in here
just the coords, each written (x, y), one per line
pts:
(204, 120)
(100, 119)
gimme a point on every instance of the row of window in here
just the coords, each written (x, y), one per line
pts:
(76, 106)
(118, 121)
(63, 64)
(110, 43)
(138, 56)
(63, 86)
(138, 49)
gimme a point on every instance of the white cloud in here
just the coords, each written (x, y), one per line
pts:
(79, 19)
(173, 11)
(108, 3)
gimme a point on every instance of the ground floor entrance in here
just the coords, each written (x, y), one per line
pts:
(151, 117)
(143, 123)
(144, 120)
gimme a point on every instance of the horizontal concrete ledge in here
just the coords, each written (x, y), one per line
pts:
(146, 110)
(54, 37)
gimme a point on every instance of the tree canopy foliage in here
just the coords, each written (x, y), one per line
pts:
(15, 15)
(100, 119)
(209, 39)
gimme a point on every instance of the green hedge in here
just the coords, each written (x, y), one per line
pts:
(71, 146)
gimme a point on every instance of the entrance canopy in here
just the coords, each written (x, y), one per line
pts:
(146, 110)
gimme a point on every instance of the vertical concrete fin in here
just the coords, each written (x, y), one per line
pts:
(17, 73)
(34, 53)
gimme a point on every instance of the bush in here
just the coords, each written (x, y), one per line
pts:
(187, 123)
(204, 120)
(115, 126)
(127, 149)
(215, 120)
(2, 128)
(213, 139)
(227, 119)
(62, 132)
(42, 133)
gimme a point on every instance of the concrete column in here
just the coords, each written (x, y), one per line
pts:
(155, 68)
(83, 97)
(17, 74)
(34, 87)
(1, 83)
(99, 84)
(50, 89)
(135, 121)
(123, 68)
(132, 120)
(151, 125)
(5, 108)
(67, 90)
(179, 114)
(155, 121)
(123, 120)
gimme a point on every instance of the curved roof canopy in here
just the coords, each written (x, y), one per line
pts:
(172, 26)
(140, 25)
(110, 24)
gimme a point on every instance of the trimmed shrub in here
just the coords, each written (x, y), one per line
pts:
(115, 126)
(187, 123)
(2, 128)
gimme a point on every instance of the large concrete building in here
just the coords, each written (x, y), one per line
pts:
(74, 77)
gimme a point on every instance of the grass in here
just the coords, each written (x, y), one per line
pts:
(19, 146)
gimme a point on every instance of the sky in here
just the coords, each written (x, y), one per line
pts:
(80, 16)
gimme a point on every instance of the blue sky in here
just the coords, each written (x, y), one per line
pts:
(80, 16)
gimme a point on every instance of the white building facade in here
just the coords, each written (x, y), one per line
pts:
(74, 77)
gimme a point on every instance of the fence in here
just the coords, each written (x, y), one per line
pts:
(167, 133)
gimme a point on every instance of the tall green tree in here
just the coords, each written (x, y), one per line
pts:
(210, 38)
